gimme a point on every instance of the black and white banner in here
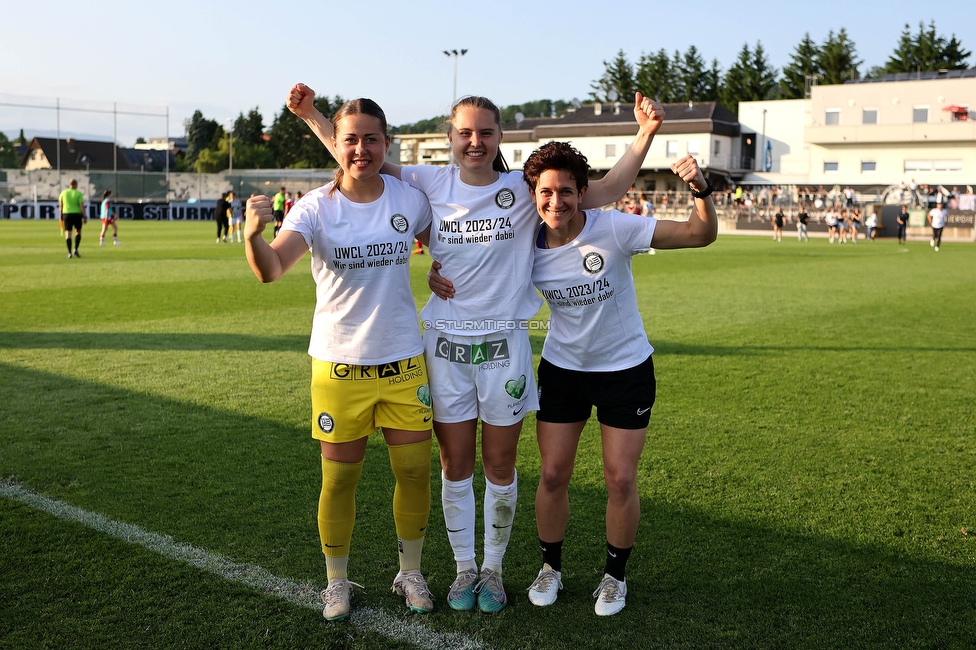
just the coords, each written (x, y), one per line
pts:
(183, 211)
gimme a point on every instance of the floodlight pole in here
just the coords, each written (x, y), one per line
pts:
(454, 54)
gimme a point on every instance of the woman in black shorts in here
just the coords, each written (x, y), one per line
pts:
(596, 352)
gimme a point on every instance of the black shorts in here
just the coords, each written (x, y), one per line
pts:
(72, 221)
(623, 398)
(279, 215)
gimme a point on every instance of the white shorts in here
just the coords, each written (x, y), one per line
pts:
(487, 376)
(236, 221)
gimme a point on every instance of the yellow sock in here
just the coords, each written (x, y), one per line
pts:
(337, 511)
(411, 499)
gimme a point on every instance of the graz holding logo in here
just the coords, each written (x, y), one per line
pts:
(505, 198)
(491, 353)
(395, 371)
(399, 223)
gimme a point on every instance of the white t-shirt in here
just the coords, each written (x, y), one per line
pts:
(482, 236)
(938, 217)
(364, 309)
(594, 323)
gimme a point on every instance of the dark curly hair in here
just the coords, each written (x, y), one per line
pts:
(556, 155)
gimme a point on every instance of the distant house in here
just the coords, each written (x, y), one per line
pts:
(603, 132)
(92, 155)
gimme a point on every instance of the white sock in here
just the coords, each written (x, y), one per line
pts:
(457, 500)
(499, 516)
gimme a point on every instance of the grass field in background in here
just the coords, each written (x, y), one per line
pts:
(808, 479)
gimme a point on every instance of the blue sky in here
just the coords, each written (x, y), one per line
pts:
(226, 57)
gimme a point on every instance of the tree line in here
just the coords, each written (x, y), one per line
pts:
(751, 77)
(669, 78)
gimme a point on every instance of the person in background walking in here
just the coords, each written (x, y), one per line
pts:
(220, 216)
(278, 207)
(71, 203)
(108, 218)
(902, 225)
(937, 219)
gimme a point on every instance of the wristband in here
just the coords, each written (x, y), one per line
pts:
(705, 192)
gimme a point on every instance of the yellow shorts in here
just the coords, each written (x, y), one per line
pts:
(350, 402)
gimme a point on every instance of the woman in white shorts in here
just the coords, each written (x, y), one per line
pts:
(596, 352)
(368, 369)
(477, 343)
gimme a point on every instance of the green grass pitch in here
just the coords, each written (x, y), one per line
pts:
(808, 479)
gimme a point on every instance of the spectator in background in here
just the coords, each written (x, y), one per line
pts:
(278, 209)
(849, 197)
(236, 217)
(902, 225)
(220, 216)
(855, 223)
(872, 224)
(107, 214)
(937, 219)
(647, 206)
(801, 225)
(831, 219)
(778, 220)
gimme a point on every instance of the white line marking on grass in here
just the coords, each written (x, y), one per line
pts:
(305, 594)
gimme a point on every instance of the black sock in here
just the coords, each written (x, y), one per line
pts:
(67, 242)
(617, 561)
(77, 241)
(552, 554)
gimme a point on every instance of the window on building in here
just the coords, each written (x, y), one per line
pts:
(672, 149)
(920, 114)
(694, 146)
(951, 166)
(830, 166)
(717, 147)
(868, 166)
(517, 155)
(611, 151)
(961, 115)
(918, 165)
(832, 118)
(869, 116)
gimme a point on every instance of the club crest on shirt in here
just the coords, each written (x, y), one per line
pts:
(505, 198)
(326, 423)
(399, 223)
(593, 262)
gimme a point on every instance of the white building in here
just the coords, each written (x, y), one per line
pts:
(869, 133)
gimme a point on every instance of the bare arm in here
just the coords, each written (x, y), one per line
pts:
(301, 102)
(269, 261)
(701, 228)
(649, 115)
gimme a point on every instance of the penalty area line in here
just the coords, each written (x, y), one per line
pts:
(303, 594)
